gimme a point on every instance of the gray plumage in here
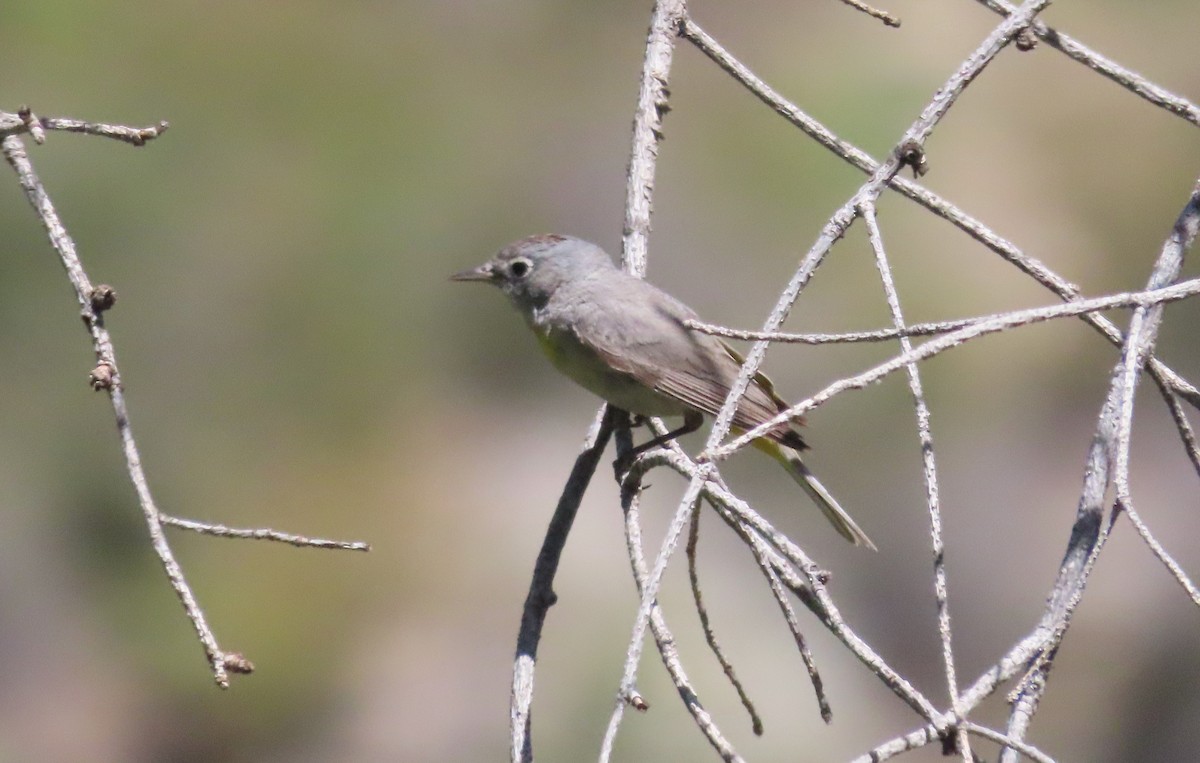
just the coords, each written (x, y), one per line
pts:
(626, 341)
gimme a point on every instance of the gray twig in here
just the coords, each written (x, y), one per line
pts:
(93, 301)
(927, 735)
(1025, 316)
(652, 106)
(797, 571)
(887, 18)
(843, 217)
(663, 639)
(771, 567)
(1167, 379)
(925, 441)
(710, 635)
(1024, 748)
(261, 533)
(833, 230)
(782, 562)
(1131, 81)
(541, 594)
(990, 325)
(1106, 469)
(25, 121)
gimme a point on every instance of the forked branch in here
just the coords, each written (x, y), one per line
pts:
(106, 375)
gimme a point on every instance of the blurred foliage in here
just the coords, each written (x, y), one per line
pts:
(294, 357)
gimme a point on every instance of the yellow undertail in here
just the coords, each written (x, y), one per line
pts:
(790, 459)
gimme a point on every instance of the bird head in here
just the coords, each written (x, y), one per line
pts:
(530, 270)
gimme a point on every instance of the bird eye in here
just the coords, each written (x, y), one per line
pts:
(520, 268)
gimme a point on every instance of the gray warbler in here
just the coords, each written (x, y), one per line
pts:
(626, 340)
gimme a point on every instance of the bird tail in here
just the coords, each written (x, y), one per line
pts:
(790, 459)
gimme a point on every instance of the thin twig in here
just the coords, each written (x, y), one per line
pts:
(628, 691)
(915, 135)
(771, 569)
(261, 533)
(887, 18)
(1145, 321)
(1064, 289)
(135, 136)
(796, 570)
(925, 441)
(25, 121)
(1106, 469)
(663, 639)
(1157, 549)
(845, 337)
(1179, 291)
(541, 594)
(1024, 748)
(14, 152)
(106, 375)
(1186, 434)
(710, 635)
(833, 230)
(914, 740)
(933, 347)
(1131, 81)
(652, 106)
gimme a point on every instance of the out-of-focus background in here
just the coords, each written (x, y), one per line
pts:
(295, 358)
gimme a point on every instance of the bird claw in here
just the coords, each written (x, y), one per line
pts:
(622, 464)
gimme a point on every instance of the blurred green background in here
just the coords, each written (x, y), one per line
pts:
(295, 358)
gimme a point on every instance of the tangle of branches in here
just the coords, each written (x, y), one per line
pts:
(790, 572)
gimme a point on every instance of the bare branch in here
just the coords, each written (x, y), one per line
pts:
(1127, 79)
(887, 18)
(710, 636)
(652, 106)
(25, 121)
(1181, 290)
(978, 328)
(843, 217)
(932, 498)
(1025, 749)
(1107, 466)
(541, 594)
(796, 570)
(1167, 379)
(770, 567)
(93, 301)
(663, 639)
(784, 564)
(261, 533)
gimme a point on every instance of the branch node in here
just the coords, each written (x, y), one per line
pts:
(103, 376)
(235, 662)
(887, 18)
(950, 745)
(912, 154)
(1026, 40)
(637, 701)
(32, 124)
(103, 297)
(140, 136)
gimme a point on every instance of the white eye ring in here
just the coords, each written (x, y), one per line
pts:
(520, 267)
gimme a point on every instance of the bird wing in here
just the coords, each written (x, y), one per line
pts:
(651, 343)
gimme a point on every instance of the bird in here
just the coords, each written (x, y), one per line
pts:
(629, 342)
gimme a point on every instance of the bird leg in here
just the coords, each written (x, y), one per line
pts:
(692, 420)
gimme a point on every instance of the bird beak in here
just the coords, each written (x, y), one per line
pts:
(482, 273)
